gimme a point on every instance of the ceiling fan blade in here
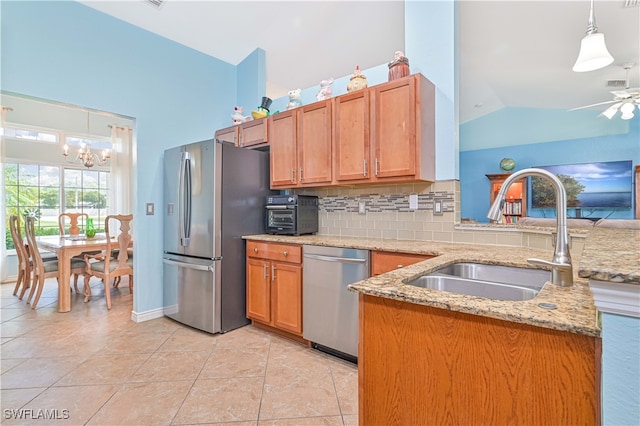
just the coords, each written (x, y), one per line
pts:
(593, 105)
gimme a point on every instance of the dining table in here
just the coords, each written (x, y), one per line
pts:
(65, 247)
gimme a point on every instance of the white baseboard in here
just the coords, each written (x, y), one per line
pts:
(147, 315)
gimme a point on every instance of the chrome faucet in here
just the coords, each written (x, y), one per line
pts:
(561, 269)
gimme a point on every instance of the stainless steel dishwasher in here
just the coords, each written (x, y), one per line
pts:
(330, 311)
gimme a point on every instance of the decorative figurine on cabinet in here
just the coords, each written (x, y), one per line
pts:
(237, 116)
(263, 110)
(325, 90)
(357, 81)
(294, 99)
(399, 67)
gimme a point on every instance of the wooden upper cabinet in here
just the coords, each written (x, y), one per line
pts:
(385, 133)
(314, 143)
(352, 158)
(282, 134)
(403, 130)
(254, 133)
(394, 123)
(228, 134)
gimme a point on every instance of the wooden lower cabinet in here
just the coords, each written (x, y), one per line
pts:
(274, 285)
(384, 261)
(419, 365)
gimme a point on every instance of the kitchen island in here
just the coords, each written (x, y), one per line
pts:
(429, 356)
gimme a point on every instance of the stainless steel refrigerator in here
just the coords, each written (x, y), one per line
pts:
(213, 194)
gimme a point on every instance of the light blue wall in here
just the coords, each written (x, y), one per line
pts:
(431, 46)
(620, 370)
(474, 164)
(523, 126)
(68, 52)
(252, 84)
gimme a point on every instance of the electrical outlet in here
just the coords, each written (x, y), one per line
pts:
(362, 207)
(437, 208)
(149, 209)
(413, 201)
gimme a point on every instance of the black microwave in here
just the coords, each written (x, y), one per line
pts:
(292, 214)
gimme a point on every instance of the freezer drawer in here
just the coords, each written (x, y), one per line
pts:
(330, 311)
(190, 292)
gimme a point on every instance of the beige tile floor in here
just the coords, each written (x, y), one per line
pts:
(97, 367)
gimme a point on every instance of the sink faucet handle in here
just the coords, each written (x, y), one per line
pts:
(560, 266)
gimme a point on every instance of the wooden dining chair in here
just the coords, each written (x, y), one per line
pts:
(24, 264)
(105, 266)
(40, 269)
(74, 228)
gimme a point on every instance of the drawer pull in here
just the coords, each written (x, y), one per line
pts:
(285, 254)
(255, 249)
(400, 266)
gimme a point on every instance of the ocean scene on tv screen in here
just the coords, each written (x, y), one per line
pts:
(606, 185)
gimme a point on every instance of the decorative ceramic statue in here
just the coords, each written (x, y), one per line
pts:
(237, 116)
(399, 67)
(263, 110)
(357, 81)
(294, 99)
(325, 90)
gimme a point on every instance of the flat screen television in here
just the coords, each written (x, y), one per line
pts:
(601, 185)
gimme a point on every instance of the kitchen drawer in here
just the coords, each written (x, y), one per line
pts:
(382, 261)
(275, 251)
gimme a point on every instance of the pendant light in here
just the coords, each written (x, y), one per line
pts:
(593, 51)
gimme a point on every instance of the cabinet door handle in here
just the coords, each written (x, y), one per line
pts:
(266, 273)
(273, 272)
(293, 175)
(364, 167)
(240, 142)
(376, 167)
(300, 174)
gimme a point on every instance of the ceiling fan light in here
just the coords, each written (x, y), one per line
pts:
(627, 111)
(593, 53)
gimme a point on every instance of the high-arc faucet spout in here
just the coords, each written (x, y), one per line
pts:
(562, 270)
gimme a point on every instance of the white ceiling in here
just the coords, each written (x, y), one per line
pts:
(512, 53)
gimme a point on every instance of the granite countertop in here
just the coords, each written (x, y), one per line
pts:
(575, 310)
(611, 254)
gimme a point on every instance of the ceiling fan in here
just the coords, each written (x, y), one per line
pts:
(624, 100)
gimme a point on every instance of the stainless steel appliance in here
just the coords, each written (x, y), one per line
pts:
(292, 214)
(330, 311)
(214, 193)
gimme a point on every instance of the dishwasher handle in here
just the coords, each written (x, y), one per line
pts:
(334, 258)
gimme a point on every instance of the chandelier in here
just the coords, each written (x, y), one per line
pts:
(87, 157)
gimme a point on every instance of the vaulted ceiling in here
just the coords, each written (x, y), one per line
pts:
(511, 53)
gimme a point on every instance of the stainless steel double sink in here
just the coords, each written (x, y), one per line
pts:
(490, 281)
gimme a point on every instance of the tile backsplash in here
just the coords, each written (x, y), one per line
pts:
(387, 215)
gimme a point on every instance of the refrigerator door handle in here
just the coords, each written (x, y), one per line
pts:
(208, 268)
(184, 207)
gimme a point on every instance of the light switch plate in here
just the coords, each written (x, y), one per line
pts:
(413, 201)
(149, 209)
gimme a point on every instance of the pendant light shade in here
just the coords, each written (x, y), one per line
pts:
(593, 54)
(627, 111)
(593, 51)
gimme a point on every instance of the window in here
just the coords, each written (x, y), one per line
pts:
(45, 191)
